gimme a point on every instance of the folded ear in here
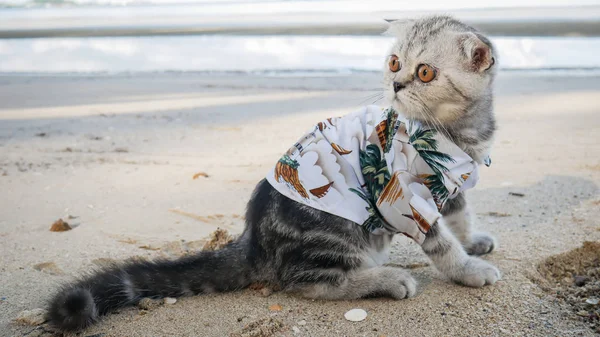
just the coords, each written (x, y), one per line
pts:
(477, 50)
(398, 28)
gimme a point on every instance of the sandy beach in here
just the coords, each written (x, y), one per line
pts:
(115, 156)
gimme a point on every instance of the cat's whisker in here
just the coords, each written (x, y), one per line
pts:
(437, 123)
(377, 100)
(446, 132)
(430, 116)
(377, 96)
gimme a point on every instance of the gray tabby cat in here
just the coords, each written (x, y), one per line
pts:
(440, 72)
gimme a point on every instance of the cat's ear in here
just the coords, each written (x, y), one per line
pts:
(478, 51)
(398, 28)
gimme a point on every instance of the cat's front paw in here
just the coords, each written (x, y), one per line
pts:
(480, 244)
(476, 273)
(397, 283)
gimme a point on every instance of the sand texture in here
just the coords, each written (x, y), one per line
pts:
(145, 166)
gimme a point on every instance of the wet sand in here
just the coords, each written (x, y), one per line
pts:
(118, 154)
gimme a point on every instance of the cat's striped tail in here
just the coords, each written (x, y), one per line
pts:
(80, 304)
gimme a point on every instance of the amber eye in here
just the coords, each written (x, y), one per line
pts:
(394, 64)
(426, 73)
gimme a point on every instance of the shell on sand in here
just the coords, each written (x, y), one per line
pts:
(170, 300)
(355, 315)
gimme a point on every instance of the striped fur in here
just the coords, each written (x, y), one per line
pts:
(318, 255)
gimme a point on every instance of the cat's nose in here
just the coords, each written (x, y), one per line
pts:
(398, 86)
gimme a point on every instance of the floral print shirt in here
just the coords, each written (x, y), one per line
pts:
(376, 168)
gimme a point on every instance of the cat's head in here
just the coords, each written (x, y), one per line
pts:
(438, 67)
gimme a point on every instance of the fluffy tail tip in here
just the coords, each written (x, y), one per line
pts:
(72, 309)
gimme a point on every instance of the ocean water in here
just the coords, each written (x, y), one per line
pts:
(264, 54)
(272, 54)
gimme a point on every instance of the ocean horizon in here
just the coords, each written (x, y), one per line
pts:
(281, 54)
(273, 36)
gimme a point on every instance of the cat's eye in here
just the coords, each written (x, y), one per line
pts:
(426, 73)
(394, 64)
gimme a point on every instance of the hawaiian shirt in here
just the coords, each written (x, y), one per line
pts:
(377, 168)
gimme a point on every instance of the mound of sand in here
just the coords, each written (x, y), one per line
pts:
(574, 276)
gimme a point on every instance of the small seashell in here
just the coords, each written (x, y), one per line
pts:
(592, 301)
(356, 315)
(170, 300)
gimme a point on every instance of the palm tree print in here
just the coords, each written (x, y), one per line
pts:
(374, 169)
(376, 175)
(374, 220)
(287, 169)
(435, 184)
(423, 140)
(385, 129)
(423, 225)
(392, 191)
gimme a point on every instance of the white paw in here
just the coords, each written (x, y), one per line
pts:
(400, 283)
(476, 273)
(481, 243)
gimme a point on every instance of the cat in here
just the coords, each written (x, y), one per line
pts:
(440, 72)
